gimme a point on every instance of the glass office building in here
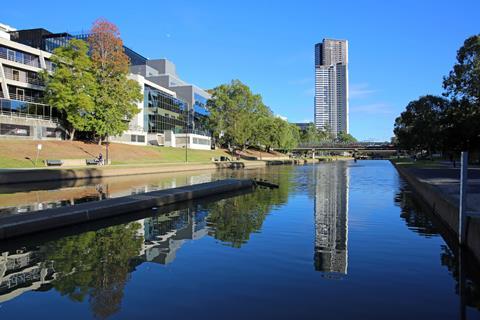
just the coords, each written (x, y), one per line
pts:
(163, 112)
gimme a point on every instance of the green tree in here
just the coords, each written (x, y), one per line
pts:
(346, 137)
(266, 131)
(464, 80)
(461, 118)
(234, 110)
(419, 127)
(72, 87)
(117, 96)
(287, 136)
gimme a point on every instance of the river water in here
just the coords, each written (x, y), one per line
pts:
(339, 240)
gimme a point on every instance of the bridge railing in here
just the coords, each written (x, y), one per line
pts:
(352, 145)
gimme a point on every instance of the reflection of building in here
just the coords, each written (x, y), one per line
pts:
(331, 217)
(165, 234)
(23, 271)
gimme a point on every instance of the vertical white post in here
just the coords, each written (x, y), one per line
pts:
(462, 209)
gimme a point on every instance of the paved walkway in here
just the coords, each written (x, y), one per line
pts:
(447, 181)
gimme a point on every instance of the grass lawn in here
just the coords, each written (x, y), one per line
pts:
(22, 153)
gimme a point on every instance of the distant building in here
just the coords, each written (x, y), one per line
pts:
(331, 86)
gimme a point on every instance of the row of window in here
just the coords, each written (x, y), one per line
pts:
(23, 108)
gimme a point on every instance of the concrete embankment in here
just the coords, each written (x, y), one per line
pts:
(439, 188)
(22, 224)
(57, 174)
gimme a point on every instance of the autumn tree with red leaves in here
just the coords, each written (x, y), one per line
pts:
(117, 96)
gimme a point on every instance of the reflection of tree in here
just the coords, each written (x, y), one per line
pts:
(95, 264)
(415, 219)
(471, 290)
(423, 224)
(233, 220)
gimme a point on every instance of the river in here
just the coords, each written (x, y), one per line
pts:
(338, 240)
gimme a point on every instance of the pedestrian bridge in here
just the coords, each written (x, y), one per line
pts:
(366, 147)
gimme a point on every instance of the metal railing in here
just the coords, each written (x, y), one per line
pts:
(23, 97)
(20, 57)
(22, 77)
(16, 108)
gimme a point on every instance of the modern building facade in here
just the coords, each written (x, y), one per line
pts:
(331, 86)
(23, 115)
(180, 131)
(172, 113)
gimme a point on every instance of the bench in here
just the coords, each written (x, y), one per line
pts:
(91, 162)
(53, 162)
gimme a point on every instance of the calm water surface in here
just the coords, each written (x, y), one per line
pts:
(336, 241)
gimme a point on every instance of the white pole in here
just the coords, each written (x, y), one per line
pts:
(462, 213)
(39, 147)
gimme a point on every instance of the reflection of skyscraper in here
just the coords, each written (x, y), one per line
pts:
(331, 217)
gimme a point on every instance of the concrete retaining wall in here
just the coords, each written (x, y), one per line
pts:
(22, 224)
(444, 208)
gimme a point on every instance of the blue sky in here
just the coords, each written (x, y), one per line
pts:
(398, 50)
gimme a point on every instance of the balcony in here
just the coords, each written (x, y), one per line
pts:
(22, 77)
(24, 97)
(20, 57)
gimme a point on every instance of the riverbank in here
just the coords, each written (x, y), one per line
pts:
(438, 186)
(58, 174)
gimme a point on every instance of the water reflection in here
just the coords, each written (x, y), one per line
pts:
(41, 197)
(94, 266)
(460, 263)
(331, 183)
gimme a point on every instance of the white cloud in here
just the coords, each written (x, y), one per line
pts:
(281, 117)
(360, 90)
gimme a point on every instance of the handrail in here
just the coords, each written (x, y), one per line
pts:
(24, 58)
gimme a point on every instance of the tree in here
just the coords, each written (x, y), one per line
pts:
(117, 96)
(346, 137)
(464, 80)
(419, 127)
(234, 110)
(72, 86)
(265, 133)
(462, 117)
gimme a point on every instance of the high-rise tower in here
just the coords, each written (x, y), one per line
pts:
(331, 86)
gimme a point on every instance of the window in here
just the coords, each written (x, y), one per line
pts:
(15, 75)
(14, 130)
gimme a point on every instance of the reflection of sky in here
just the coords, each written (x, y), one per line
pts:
(200, 104)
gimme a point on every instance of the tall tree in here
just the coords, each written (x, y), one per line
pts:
(72, 86)
(464, 80)
(115, 102)
(419, 127)
(233, 112)
(462, 117)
